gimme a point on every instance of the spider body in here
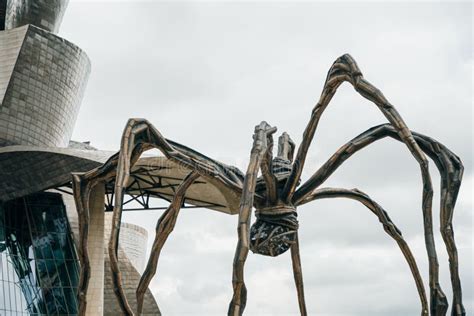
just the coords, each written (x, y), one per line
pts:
(277, 193)
(276, 226)
(274, 231)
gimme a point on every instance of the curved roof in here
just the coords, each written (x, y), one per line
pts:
(27, 169)
(159, 177)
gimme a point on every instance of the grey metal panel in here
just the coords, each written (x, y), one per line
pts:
(44, 92)
(10, 45)
(25, 170)
(46, 14)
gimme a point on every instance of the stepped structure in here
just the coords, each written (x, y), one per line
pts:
(42, 82)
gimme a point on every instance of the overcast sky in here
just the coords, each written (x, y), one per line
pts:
(205, 73)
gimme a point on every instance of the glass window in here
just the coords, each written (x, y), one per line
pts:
(39, 266)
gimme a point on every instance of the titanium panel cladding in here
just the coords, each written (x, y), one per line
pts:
(45, 14)
(44, 92)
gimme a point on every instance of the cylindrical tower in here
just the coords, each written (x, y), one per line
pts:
(45, 14)
(42, 76)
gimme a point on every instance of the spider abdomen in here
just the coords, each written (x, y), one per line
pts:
(273, 234)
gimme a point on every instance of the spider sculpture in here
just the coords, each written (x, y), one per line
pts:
(277, 194)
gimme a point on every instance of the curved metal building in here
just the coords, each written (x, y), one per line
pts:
(45, 14)
(42, 82)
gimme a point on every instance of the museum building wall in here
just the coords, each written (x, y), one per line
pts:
(42, 82)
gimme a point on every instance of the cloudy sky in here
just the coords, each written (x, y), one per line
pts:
(205, 73)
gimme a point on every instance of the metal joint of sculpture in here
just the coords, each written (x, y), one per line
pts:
(277, 193)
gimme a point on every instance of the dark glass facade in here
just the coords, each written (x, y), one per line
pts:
(39, 267)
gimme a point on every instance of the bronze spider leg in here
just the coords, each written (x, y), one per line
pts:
(346, 69)
(142, 132)
(285, 150)
(259, 148)
(164, 227)
(298, 275)
(388, 226)
(139, 135)
(267, 172)
(451, 170)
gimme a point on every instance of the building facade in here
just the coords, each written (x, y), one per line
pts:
(42, 82)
